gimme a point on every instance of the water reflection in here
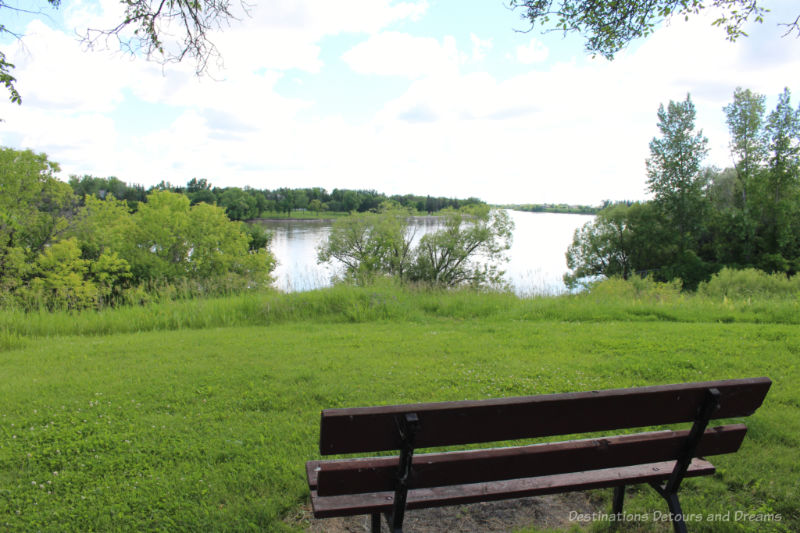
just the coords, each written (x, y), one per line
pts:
(536, 259)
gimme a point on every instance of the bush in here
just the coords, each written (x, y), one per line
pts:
(749, 283)
(636, 288)
(466, 250)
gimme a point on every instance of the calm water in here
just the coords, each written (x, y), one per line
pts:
(536, 259)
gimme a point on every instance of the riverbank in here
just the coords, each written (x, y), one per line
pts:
(424, 218)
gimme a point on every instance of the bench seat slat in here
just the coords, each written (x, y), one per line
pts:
(373, 429)
(347, 505)
(354, 476)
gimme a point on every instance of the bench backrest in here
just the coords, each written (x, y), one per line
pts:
(374, 429)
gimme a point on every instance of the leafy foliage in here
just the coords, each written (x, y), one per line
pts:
(749, 283)
(609, 26)
(466, 250)
(702, 220)
(6, 78)
(602, 247)
(370, 244)
(673, 170)
(56, 253)
(249, 203)
(169, 31)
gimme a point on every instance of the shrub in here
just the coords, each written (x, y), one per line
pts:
(636, 288)
(748, 283)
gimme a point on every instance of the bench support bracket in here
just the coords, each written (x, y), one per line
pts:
(407, 427)
(669, 491)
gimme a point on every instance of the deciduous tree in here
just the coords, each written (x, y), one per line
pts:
(674, 170)
(608, 27)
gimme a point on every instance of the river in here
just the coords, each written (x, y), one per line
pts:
(536, 258)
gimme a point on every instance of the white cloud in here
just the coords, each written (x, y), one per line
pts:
(533, 52)
(53, 73)
(479, 47)
(400, 54)
(567, 131)
(278, 34)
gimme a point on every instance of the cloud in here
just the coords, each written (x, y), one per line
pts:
(479, 47)
(53, 73)
(454, 123)
(400, 54)
(533, 52)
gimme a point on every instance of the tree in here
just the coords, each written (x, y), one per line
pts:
(168, 240)
(238, 204)
(673, 170)
(610, 26)
(781, 188)
(465, 251)
(100, 225)
(783, 138)
(200, 191)
(623, 240)
(601, 247)
(315, 205)
(33, 203)
(167, 31)
(745, 117)
(5, 67)
(369, 245)
(56, 253)
(89, 185)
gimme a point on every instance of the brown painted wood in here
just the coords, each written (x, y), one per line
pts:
(478, 466)
(371, 429)
(329, 506)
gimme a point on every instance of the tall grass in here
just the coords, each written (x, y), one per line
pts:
(610, 300)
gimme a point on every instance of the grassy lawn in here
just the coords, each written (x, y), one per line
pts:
(181, 425)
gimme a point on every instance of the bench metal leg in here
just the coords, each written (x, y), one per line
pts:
(376, 523)
(619, 497)
(676, 513)
(704, 414)
(669, 491)
(407, 427)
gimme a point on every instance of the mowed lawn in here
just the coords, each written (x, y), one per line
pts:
(209, 429)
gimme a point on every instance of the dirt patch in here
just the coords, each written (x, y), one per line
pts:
(546, 512)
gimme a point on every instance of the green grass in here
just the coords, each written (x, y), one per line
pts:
(200, 415)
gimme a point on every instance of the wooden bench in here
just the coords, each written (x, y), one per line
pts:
(390, 485)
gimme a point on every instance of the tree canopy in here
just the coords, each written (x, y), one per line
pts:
(167, 31)
(466, 249)
(59, 251)
(610, 26)
(702, 219)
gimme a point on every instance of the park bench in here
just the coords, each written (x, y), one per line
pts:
(390, 485)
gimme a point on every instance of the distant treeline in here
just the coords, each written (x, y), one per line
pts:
(248, 203)
(556, 208)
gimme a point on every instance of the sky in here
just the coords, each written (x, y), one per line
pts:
(432, 97)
